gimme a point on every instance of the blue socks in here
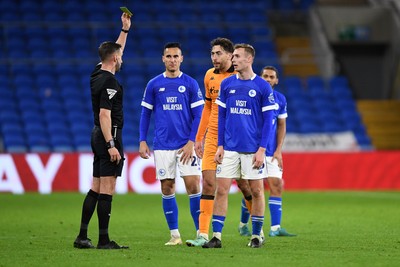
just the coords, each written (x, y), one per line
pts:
(170, 211)
(245, 215)
(195, 208)
(275, 209)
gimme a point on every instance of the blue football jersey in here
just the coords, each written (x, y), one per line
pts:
(175, 102)
(243, 102)
(279, 113)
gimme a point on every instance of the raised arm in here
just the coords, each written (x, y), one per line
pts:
(126, 25)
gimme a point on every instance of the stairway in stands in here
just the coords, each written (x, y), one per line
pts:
(296, 56)
(382, 120)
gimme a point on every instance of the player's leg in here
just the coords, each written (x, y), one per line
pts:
(275, 184)
(208, 167)
(256, 183)
(245, 207)
(219, 213)
(192, 185)
(170, 209)
(165, 162)
(226, 172)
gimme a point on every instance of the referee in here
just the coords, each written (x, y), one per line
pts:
(106, 140)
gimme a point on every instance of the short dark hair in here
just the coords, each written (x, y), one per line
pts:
(270, 68)
(108, 48)
(172, 45)
(248, 48)
(225, 43)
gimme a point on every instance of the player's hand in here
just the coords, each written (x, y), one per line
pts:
(187, 152)
(219, 155)
(259, 158)
(144, 150)
(278, 156)
(114, 155)
(198, 148)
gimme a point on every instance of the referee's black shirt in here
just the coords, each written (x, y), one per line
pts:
(107, 93)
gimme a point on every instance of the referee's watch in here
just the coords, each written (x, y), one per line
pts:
(110, 144)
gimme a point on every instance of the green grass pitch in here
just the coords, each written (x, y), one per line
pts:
(333, 228)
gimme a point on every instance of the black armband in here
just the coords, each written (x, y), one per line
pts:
(125, 31)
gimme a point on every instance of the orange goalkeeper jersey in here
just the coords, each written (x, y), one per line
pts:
(209, 117)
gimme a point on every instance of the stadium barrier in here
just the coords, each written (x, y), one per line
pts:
(62, 172)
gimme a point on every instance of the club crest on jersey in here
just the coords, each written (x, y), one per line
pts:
(181, 89)
(252, 93)
(161, 172)
(271, 98)
(111, 93)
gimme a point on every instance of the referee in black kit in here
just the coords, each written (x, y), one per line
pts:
(106, 140)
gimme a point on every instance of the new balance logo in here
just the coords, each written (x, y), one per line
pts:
(111, 93)
(162, 89)
(232, 91)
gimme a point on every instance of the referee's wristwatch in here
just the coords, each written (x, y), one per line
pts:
(110, 144)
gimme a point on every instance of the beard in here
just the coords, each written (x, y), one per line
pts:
(118, 67)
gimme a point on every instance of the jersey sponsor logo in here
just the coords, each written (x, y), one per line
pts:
(162, 89)
(252, 93)
(111, 93)
(240, 108)
(172, 104)
(181, 89)
(232, 91)
(213, 91)
(161, 172)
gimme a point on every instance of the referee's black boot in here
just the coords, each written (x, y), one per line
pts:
(83, 243)
(111, 245)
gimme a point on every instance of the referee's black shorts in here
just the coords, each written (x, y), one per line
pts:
(102, 166)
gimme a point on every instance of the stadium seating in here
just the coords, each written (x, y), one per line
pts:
(47, 55)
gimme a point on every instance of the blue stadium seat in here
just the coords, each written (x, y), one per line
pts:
(38, 143)
(82, 143)
(10, 128)
(315, 81)
(61, 142)
(8, 105)
(338, 81)
(333, 126)
(15, 143)
(292, 82)
(7, 116)
(29, 104)
(306, 127)
(35, 127)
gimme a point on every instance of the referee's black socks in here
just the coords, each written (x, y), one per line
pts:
(89, 204)
(104, 213)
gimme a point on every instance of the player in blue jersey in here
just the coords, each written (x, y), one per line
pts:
(274, 156)
(246, 105)
(177, 103)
